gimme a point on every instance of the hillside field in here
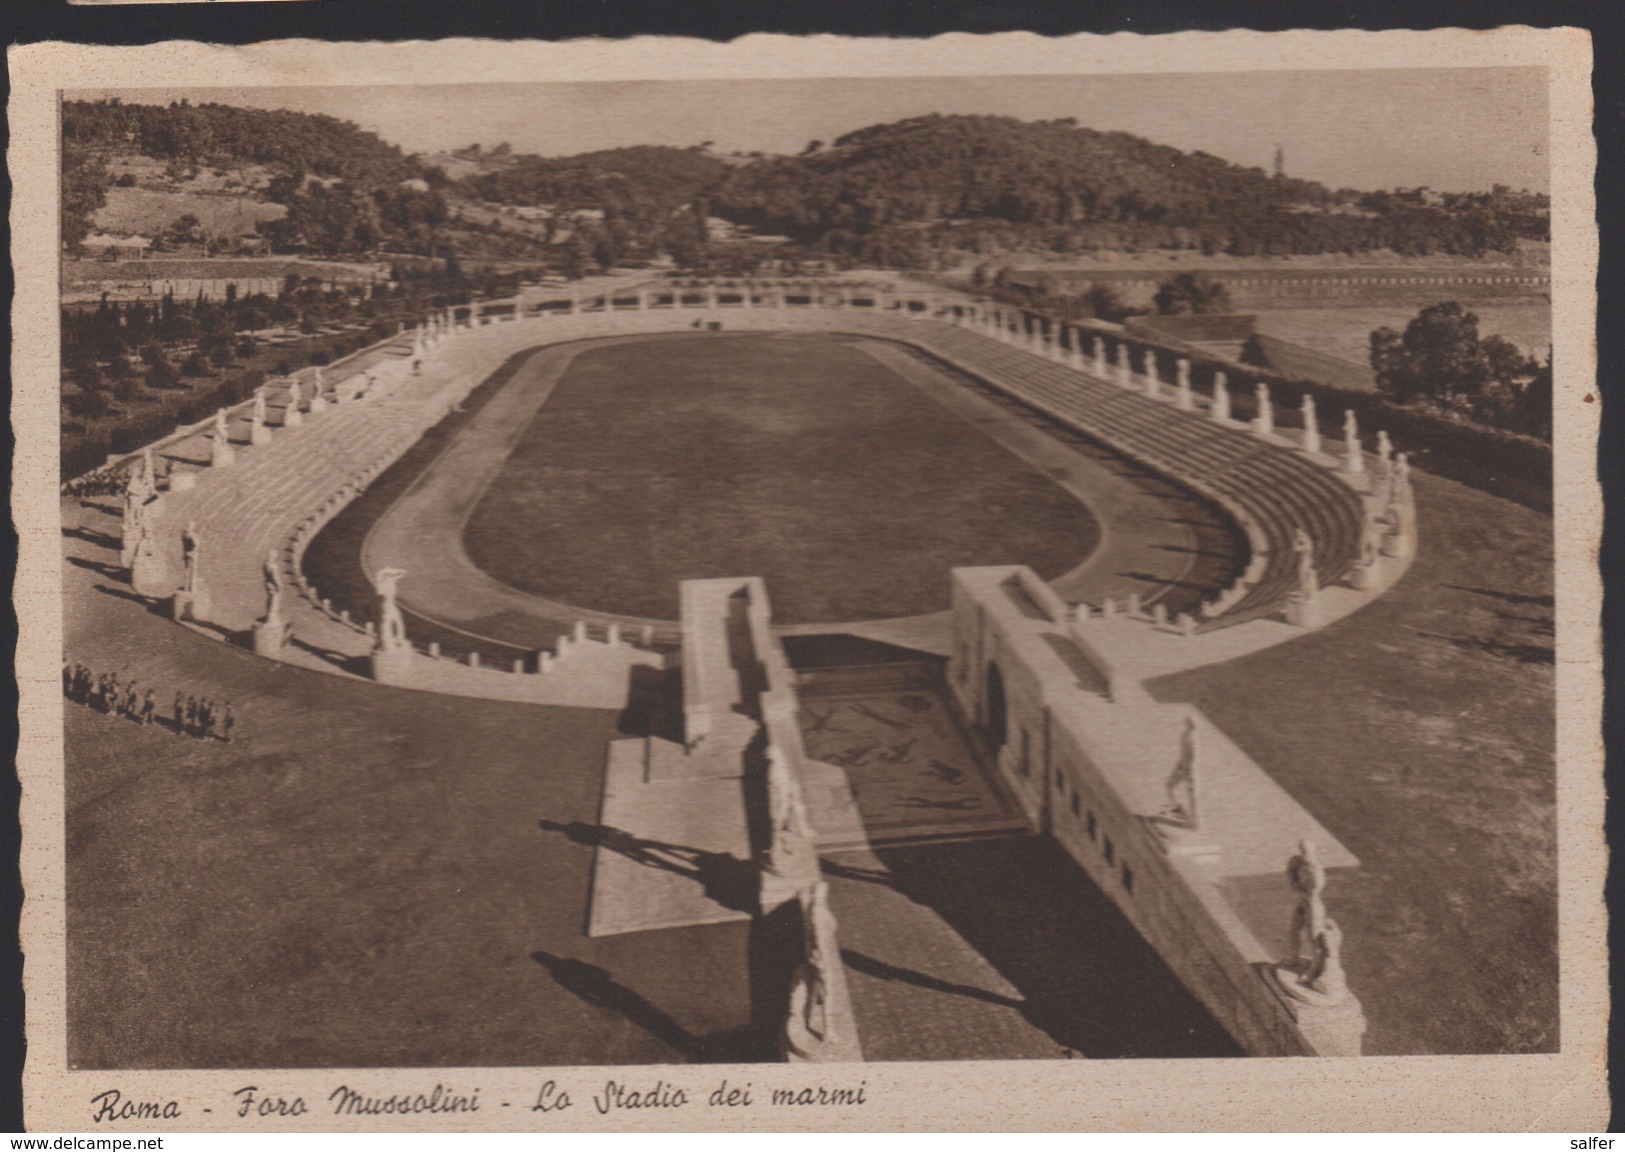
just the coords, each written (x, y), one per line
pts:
(149, 211)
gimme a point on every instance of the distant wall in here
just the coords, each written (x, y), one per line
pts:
(1224, 328)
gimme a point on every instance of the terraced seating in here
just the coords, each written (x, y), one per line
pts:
(1278, 489)
(258, 504)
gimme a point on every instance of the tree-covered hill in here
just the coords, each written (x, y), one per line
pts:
(218, 134)
(891, 191)
(613, 180)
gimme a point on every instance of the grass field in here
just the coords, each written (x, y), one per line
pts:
(1346, 332)
(1420, 731)
(797, 459)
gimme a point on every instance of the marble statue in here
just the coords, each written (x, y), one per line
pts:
(1181, 784)
(1304, 548)
(391, 626)
(1308, 880)
(790, 862)
(1221, 397)
(135, 533)
(191, 553)
(273, 577)
(822, 950)
(1311, 425)
(1353, 457)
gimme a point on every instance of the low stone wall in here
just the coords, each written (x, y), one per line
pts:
(1091, 766)
(579, 673)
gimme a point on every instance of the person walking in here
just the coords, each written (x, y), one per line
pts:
(180, 714)
(149, 706)
(191, 715)
(132, 700)
(228, 722)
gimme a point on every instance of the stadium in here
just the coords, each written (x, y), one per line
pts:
(813, 671)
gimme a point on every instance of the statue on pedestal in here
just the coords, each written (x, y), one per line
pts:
(221, 453)
(191, 552)
(192, 598)
(1311, 981)
(138, 490)
(391, 626)
(1264, 420)
(809, 995)
(1398, 527)
(1353, 457)
(1221, 397)
(1304, 549)
(134, 534)
(1385, 454)
(258, 433)
(1311, 425)
(271, 633)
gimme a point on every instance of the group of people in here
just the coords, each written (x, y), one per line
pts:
(120, 697)
(101, 482)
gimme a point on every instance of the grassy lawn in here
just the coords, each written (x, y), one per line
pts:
(365, 877)
(1420, 731)
(798, 459)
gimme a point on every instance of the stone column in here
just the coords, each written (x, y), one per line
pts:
(1311, 425)
(1125, 365)
(1182, 369)
(1148, 363)
(1098, 346)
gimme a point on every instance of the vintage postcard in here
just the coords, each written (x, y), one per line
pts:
(988, 582)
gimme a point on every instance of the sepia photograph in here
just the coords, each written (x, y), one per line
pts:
(824, 571)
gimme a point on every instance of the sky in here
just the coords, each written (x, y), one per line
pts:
(1450, 129)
